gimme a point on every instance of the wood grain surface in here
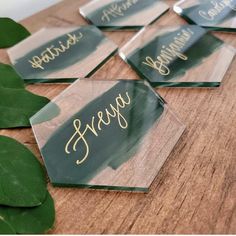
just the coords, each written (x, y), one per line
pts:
(195, 191)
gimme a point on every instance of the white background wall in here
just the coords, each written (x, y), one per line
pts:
(20, 9)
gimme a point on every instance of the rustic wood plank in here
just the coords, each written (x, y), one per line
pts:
(195, 190)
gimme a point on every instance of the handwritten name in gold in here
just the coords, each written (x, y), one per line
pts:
(117, 10)
(217, 8)
(51, 52)
(103, 118)
(170, 52)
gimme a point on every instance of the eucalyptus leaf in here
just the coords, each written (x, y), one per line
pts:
(22, 178)
(5, 228)
(17, 106)
(33, 220)
(11, 32)
(9, 78)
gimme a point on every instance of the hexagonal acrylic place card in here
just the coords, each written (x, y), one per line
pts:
(213, 14)
(58, 54)
(106, 135)
(123, 14)
(178, 56)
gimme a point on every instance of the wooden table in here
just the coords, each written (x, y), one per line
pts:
(195, 191)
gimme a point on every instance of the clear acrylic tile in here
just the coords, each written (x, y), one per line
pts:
(106, 135)
(178, 56)
(61, 54)
(123, 14)
(217, 15)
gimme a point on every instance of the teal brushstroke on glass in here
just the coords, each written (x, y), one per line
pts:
(113, 146)
(200, 46)
(46, 115)
(95, 17)
(91, 39)
(68, 80)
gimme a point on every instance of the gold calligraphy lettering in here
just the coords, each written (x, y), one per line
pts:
(170, 52)
(217, 8)
(51, 52)
(103, 119)
(116, 10)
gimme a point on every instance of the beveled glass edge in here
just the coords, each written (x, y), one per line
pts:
(186, 84)
(50, 80)
(102, 187)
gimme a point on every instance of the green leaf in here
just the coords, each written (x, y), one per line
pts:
(22, 178)
(5, 228)
(17, 106)
(9, 78)
(33, 220)
(11, 32)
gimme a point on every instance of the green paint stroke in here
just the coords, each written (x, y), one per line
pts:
(113, 146)
(90, 41)
(198, 13)
(111, 14)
